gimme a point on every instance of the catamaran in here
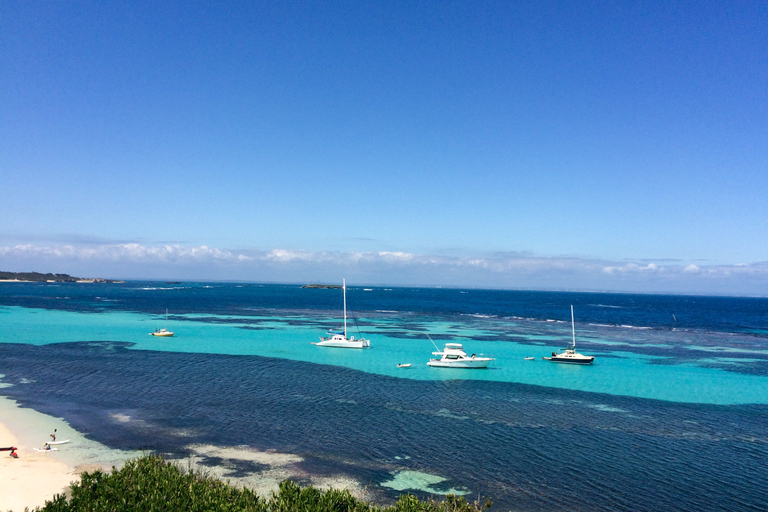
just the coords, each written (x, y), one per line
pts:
(569, 355)
(339, 339)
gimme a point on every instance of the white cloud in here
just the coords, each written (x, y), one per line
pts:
(122, 252)
(396, 256)
(283, 256)
(511, 269)
(633, 268)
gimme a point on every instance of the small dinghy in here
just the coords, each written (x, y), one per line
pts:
(530, 358)
(406, 365)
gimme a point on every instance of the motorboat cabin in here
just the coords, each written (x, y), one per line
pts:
(453, 356)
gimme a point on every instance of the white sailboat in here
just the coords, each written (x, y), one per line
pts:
(164, 332)
(569, 355)
(339, 339)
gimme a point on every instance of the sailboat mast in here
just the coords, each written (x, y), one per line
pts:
(344, 287)
(573, 328)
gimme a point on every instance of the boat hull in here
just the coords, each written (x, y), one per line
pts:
(570, 360)
(165, 334)
(468, 364)
(342, 343)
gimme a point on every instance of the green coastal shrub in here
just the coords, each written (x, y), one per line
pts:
(152, 484)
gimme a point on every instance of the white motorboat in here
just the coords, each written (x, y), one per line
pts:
(569, 355)
(340, 339)
(164, 332)
(453, 356)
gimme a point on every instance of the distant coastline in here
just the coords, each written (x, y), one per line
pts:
(322, 286)
(37, 277)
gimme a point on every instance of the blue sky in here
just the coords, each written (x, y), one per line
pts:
(556, 145)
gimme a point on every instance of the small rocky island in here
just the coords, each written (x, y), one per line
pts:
(322, 286)
(37, 277)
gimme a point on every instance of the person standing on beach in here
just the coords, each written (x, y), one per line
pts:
(53, 436)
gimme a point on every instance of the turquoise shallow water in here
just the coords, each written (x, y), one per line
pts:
(670, 417)
(616, 371)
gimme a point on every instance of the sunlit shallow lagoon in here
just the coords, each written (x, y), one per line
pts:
(657, 371)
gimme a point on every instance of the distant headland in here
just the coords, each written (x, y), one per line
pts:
(322, 286)
(37, 277)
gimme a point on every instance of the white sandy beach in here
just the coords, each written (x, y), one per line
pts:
(32, 478)
(36, 477)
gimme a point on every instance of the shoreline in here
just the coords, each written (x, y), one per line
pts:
(36, 477)
(31, 479)
(95, 280)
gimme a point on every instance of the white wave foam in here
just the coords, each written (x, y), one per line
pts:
(606, 408)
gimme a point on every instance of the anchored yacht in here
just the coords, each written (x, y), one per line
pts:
(453, 356)
(339, 339)
(569, 355)
(164, 332)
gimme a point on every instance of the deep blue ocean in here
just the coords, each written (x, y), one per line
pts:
(673, 415)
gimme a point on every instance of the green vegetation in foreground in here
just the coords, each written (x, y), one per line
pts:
(151, 483)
